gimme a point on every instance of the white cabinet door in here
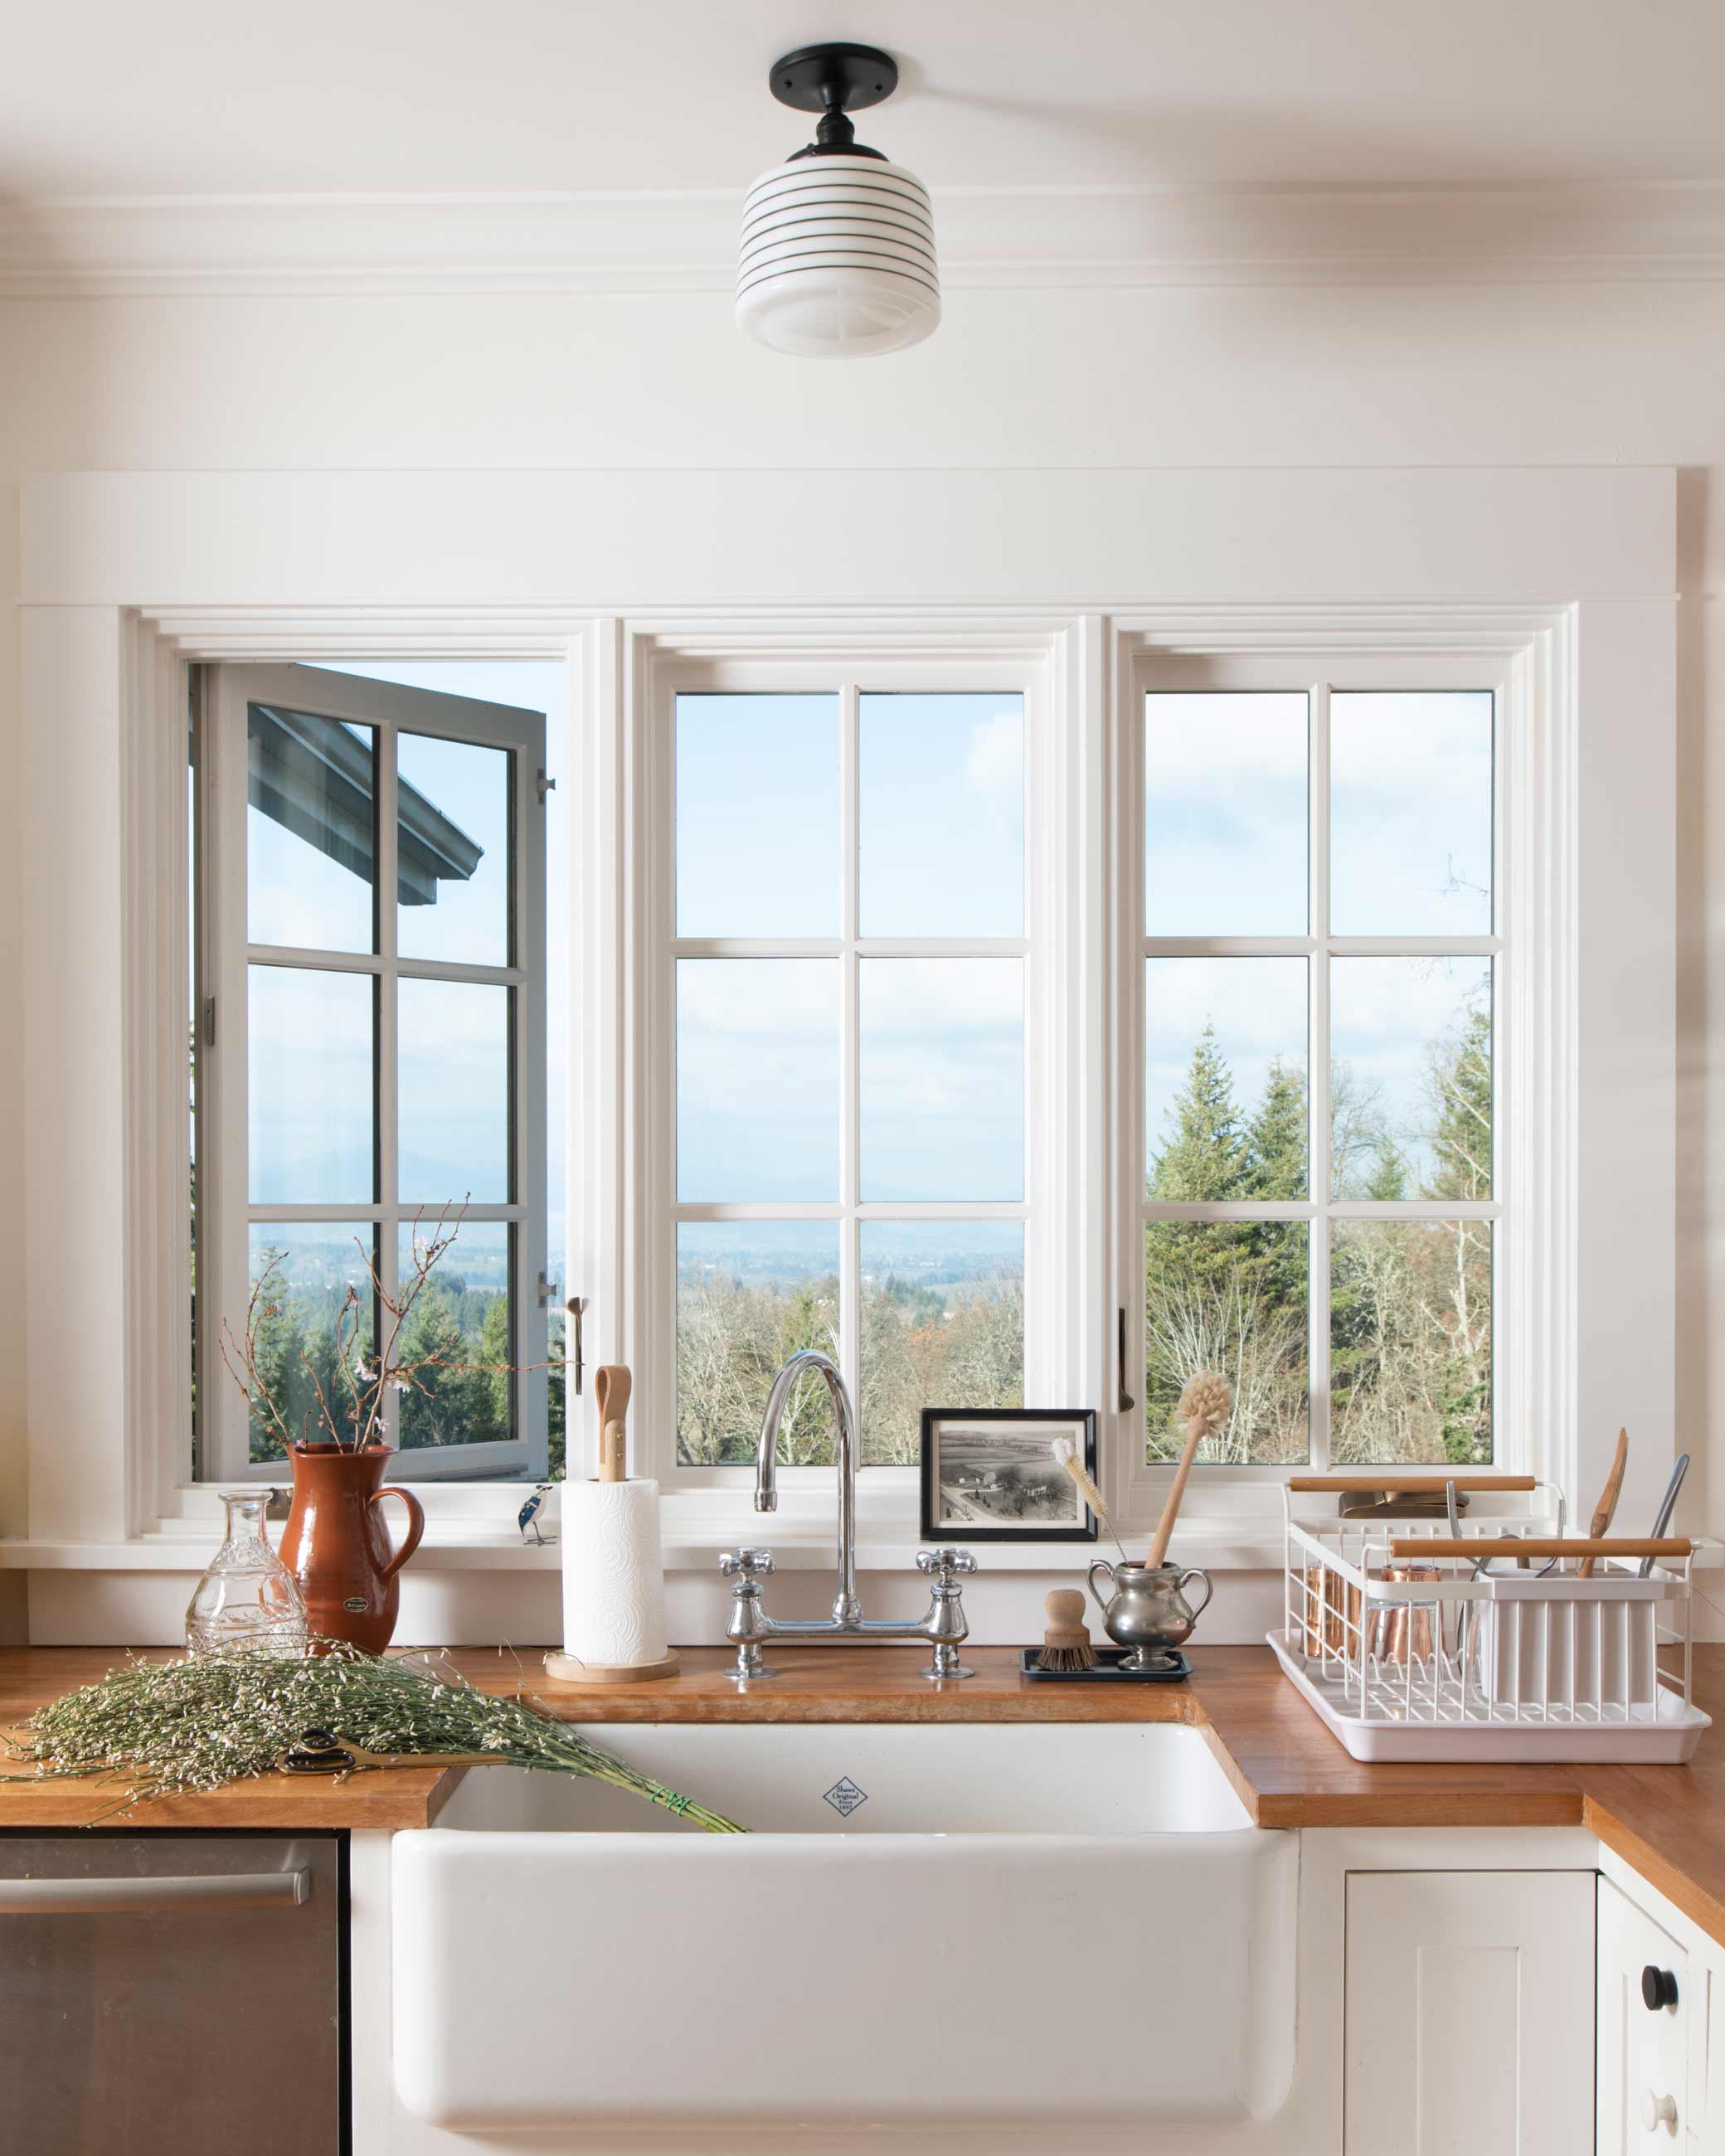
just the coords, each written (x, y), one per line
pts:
(1469, 2013)
(1643, 2049)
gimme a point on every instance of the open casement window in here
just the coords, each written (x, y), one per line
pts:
(371, 1061)
(1317, 992)
(843, 1002)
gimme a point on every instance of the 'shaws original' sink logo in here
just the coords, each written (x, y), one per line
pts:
(844, 1797)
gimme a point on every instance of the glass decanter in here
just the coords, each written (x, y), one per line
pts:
(248, 1598)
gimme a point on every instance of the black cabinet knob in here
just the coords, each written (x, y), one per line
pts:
(1659, 1987)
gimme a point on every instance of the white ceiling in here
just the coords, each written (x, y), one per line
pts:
(427, 96)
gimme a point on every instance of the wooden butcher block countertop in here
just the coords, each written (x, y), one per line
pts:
(1668, 1822)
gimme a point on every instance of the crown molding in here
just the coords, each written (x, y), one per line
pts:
(1002, 238)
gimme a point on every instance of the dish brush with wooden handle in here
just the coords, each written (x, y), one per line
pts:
(1066, 1644)
(1204, 1408)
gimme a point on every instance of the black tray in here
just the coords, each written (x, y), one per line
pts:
(1108, 1669)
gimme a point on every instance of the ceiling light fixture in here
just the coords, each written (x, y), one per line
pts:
(838, 246)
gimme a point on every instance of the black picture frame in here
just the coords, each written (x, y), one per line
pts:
(940, 1522)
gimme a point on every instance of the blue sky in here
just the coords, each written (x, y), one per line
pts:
(1225, 854)
(940, 806)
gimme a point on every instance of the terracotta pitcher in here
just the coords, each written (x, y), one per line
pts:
(336, 1546)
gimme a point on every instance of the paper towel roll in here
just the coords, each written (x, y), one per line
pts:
(614, 1573)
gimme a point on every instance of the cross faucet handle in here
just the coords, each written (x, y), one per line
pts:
(751, 1563)
(946, 1564)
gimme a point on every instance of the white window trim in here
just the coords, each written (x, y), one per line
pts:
(127, 576)
(1529, 760)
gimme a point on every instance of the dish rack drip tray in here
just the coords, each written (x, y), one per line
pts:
(1664, 1732)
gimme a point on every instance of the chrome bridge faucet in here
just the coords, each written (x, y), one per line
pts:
(944, 1627)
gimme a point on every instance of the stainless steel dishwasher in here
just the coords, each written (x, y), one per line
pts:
(169, 1992)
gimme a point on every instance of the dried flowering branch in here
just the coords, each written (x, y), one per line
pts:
(359, 1423)
(159, 1729)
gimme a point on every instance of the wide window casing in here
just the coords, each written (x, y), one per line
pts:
(1565, 577)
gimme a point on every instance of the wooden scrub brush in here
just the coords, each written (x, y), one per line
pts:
(1066, 1644)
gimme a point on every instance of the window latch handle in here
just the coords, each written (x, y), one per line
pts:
(1124, 1402)
(575, 1305)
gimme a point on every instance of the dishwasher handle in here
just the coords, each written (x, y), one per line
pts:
(163, 1897)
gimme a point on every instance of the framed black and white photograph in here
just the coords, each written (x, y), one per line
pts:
(989, 1475)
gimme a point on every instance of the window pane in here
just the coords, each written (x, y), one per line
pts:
(1225, 814)
(452, 851)
(758, 1079)
(942, 1080)
(1410, 1343)
(943, 1326)
(749, 1294)
(1227, 1296)
(318, 1285)
(455, 1343)
(757, 815)
(453, 1054)
(941, 834)
(1225, 1078)
(1410, 1077)
(1411, 813)
(309, 1058)
(309, 830)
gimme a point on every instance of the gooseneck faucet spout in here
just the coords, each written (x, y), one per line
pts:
(846, 1608)
(944, 1627)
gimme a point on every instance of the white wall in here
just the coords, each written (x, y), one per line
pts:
(1427, 375)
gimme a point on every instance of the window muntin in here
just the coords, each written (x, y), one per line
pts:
(390, 1065)
(1352, 1305)
(837, 1094)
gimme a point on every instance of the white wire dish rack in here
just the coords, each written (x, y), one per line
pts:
(1493, 1644)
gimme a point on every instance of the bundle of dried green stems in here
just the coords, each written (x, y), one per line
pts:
(158, 1729)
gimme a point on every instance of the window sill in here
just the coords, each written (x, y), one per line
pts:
(1211, 1545)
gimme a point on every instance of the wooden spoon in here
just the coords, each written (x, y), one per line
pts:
(612, 1386)
(1607, 1506)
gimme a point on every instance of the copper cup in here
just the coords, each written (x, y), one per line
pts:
(1403, 1631)
(1331, 1614)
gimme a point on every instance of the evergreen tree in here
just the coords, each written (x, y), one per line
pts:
(1205, 1155)
(1275, 1137)
(493, 1351)
(1388, 1182)
(1462, 1099)
(443, 1402)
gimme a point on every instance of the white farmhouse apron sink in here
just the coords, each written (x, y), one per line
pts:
(928, 1924)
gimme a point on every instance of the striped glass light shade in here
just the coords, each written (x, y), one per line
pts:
(838, 258)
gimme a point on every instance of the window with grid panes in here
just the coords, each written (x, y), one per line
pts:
(848, 956)
(1319, 941)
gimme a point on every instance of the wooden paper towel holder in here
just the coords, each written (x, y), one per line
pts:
(611, 1390)
(566, 1669)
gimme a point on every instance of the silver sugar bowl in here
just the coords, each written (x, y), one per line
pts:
(1148, 1611)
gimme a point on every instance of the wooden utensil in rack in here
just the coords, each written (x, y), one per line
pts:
(1510, 1546)
(612, 1385)
(1601, 1522)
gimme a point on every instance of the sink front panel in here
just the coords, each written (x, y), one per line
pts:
(550, 1973)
